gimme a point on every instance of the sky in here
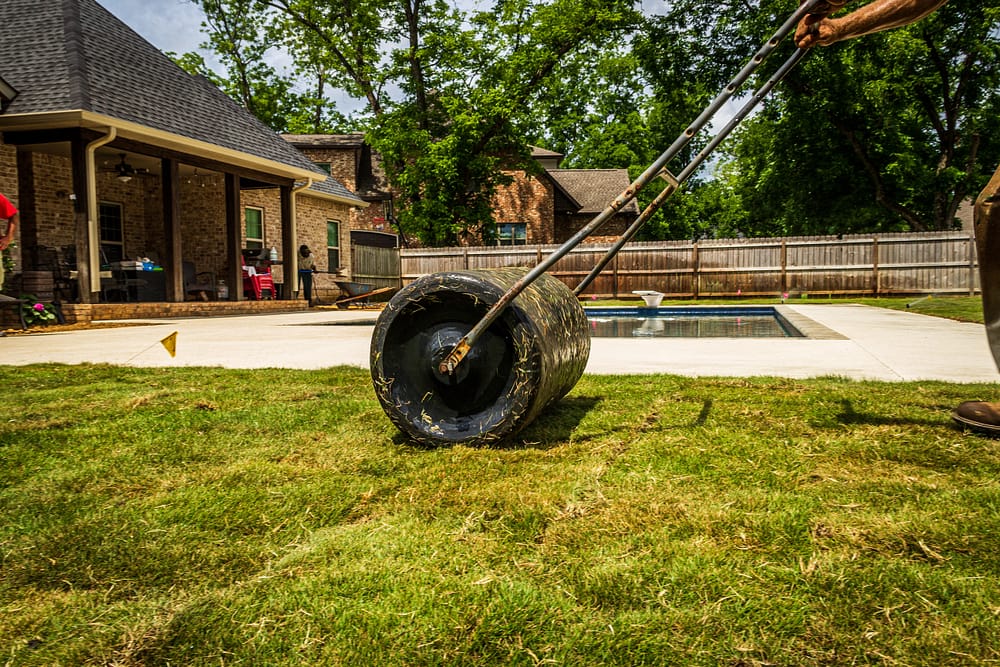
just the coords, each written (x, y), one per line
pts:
(169, 25)
(175, 25)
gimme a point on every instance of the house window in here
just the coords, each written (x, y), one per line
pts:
(332, 245)
(109, 218)
(254, 227)
(325, 166)
(512, 233)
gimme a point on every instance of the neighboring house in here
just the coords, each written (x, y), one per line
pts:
(350, 160)
(552, 206)
(545, 208)
(112, 152)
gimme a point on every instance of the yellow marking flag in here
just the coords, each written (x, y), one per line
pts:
(170, 343)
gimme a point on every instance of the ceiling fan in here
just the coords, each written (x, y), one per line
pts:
(126, 172)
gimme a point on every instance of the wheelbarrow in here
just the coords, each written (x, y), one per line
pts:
(472, 357)
(357, 292)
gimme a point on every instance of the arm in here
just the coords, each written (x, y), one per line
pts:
(8, 238)
(817, 30)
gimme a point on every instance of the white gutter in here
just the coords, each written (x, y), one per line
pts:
(93, 230)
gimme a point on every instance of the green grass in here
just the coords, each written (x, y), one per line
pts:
(210, 517)
(961, 308)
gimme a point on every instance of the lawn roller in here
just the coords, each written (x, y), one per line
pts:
(471, 357)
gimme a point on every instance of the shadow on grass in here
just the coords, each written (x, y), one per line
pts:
(552, 427)
(850, 417)
(555, 425)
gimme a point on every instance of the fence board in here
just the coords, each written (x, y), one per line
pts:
(883, 264)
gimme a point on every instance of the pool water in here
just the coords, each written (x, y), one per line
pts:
(690, 322)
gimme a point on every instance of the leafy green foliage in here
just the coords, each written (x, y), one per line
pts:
(448, 94)
(888, 132)
(35, 311)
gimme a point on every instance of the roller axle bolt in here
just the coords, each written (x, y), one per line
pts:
(454, 358)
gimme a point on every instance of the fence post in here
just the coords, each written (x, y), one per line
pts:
(784, 267)
(695, 277)
(614, 285)
(465, 257)
(876, 278)
(972, 262)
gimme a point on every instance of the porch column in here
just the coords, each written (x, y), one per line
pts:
(289, 244)
(170, 171)
(234, 239)
(81, 234)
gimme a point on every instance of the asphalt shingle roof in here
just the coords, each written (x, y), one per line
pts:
(594, 189)
(64, 55)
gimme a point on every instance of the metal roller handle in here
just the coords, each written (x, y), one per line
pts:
(461, 349)
(674, 182)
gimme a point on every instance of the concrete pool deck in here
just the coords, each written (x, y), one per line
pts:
(852, 341)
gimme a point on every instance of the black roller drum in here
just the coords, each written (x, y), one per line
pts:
(532, 355)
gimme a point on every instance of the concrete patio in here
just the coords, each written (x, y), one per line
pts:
(853, 341)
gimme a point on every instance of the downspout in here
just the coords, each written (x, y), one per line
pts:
(93, 230)
(290, 262)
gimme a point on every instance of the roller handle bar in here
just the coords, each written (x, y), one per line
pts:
(676, 181)
(448, 364)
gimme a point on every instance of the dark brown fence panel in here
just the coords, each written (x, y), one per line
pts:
(933, 262)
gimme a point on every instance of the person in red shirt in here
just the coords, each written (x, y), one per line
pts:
(9, 213)
(820, 29)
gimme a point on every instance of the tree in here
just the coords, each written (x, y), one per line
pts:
(887, 132)
(448, 95)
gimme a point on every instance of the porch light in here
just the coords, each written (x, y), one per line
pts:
(124, 178)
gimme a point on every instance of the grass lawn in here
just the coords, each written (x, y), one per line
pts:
(213, 517)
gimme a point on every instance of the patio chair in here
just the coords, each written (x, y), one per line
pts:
(201, 284)
(257, 285)
(122, 286)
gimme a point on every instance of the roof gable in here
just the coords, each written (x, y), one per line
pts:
(75, 55)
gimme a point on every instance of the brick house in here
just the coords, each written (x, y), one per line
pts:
(551, 206)
(548, 207)
(112, 152)
(347, 158)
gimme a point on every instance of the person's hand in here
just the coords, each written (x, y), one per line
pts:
(816, 29)
(4, 242)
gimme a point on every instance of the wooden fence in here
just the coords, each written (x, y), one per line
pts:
(883, 264)
(378, 267)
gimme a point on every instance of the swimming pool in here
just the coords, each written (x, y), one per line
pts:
(690, 322)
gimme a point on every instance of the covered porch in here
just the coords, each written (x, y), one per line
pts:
(138, 182)
(114, 219)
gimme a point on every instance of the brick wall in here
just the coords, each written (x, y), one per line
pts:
(610, 231)
(51, 184)
(203, 221)
(343, 163)
(344, 168)
(312, 214)
(529, 200)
